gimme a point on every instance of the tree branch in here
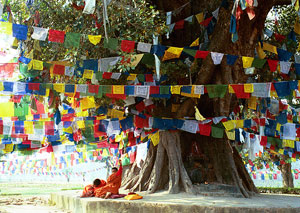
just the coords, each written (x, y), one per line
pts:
(282, 2)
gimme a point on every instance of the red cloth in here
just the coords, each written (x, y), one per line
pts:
(204, 129)
(93, 89)
(141, 122)
(264, 140)
(49, 128)
(34, 86)
(239, 91)
(140, 106)
(279, 37)
(273, 65)
(56, 36)
(201, 54)
(149, 77)
(127, 46)
(154, 90)
(7, 70)
(58, 69)
(179, 25)
(107, 75)
(206, 22)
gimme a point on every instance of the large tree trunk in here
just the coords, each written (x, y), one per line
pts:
(220, 162)
(287, 176)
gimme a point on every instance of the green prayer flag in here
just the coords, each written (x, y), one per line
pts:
(141, 77)
(216, 91)
(125, 161)
(72, 40)
(258, 63)
(99, 76)
(148, 59)
(100, 92)
(164, 90)
(28, 73)
(217, 132)
(190, 52)
(106, 89)
(111, 43)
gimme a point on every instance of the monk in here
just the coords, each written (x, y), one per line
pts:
(89, 190)
(113, 184)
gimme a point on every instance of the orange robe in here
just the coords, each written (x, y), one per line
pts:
(89, 190)
(112, 186)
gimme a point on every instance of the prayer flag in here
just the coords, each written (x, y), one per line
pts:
(6, 28)
(39, 33)
(20, 31)
(72, 40)
(95, 39)
(56, 36)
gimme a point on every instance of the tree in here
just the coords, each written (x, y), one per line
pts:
(164, 167)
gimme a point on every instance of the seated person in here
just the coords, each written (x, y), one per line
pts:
(113, 184)
(89, 190)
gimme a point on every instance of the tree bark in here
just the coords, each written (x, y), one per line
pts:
(287, 176)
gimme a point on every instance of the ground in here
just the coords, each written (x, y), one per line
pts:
(30, 197)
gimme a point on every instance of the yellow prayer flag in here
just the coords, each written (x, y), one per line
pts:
(131, 77)
(288, 143)
(155, 138)
(81, 124)
(297, 27)
(248, 88)
(297, 5)
(175, 90)
(252, 103)
(136, 60)
(88, 74)
(28, 127)
(59, 88)
(230, 135)
(200, 17)
(229, 125)
(118, 89)
(37, 65)
(278, 126)
(247, 61)
(5, 28)
(239, 123)
(95, 39)
(7, 109)
(1, 86)
(270, 48)
(87, 103)
(172, 52)
(118, 138)
(8, 148)
(281, 151)
(260, 51)
(230, 89)
(117, 113)
(195, 43)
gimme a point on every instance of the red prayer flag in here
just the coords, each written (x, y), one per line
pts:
(179, 25)
(7, 70)
(58, 69)
(264, 140)
(201, 54)
(140, 106)
(93, 89)
(206, 22)
(127, 46)
(107, 75)
(34, 86)
(154, 90)
(149, 78)
(56, 36)
(273, 65)
(239, 91)
(205, 129)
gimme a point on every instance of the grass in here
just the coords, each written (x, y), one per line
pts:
(279, 190)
